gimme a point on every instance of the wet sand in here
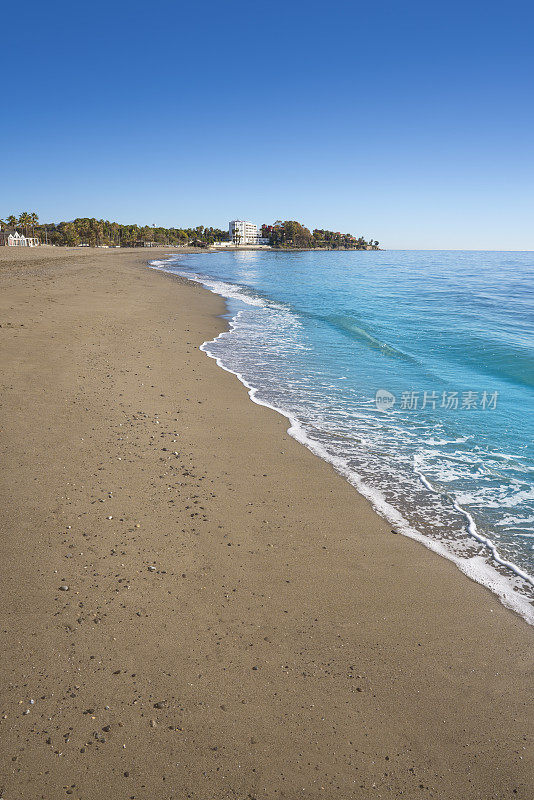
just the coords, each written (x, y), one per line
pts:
(238, 621)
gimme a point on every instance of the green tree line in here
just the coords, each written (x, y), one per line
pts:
(99, 232)
(293, 234)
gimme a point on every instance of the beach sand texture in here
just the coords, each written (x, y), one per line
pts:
(238, 622)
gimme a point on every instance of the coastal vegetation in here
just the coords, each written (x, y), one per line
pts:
(93, 232)
(101, 233)
(294, 235)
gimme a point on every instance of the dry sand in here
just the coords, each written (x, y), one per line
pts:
(238, 622)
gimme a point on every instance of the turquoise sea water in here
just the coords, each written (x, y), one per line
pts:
(446, 339)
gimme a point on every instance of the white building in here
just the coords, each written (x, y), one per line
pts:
(242, 232)
(245, 233)
(15, 239)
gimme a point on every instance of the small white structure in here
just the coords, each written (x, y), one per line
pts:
(243, 232)
(15, 239)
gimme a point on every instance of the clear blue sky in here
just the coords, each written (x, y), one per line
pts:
(409, 122)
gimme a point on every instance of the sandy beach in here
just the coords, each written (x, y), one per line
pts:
(194, 605)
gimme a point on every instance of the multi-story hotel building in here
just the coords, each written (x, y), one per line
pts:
(242, 232)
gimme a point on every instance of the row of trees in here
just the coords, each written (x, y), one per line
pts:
(98, 232)
(27, 221)
(293, 234)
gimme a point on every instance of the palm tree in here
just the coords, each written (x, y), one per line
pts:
(25, 220)
(34, 219)
(12, 221)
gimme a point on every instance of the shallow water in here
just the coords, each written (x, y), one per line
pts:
(446, 339)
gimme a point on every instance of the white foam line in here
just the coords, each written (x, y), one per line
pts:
(474, 532)
(157, 264)
(476, 568)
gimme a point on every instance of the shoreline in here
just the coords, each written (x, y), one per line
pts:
(261, 632)
(272, 249)
(496, 573)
